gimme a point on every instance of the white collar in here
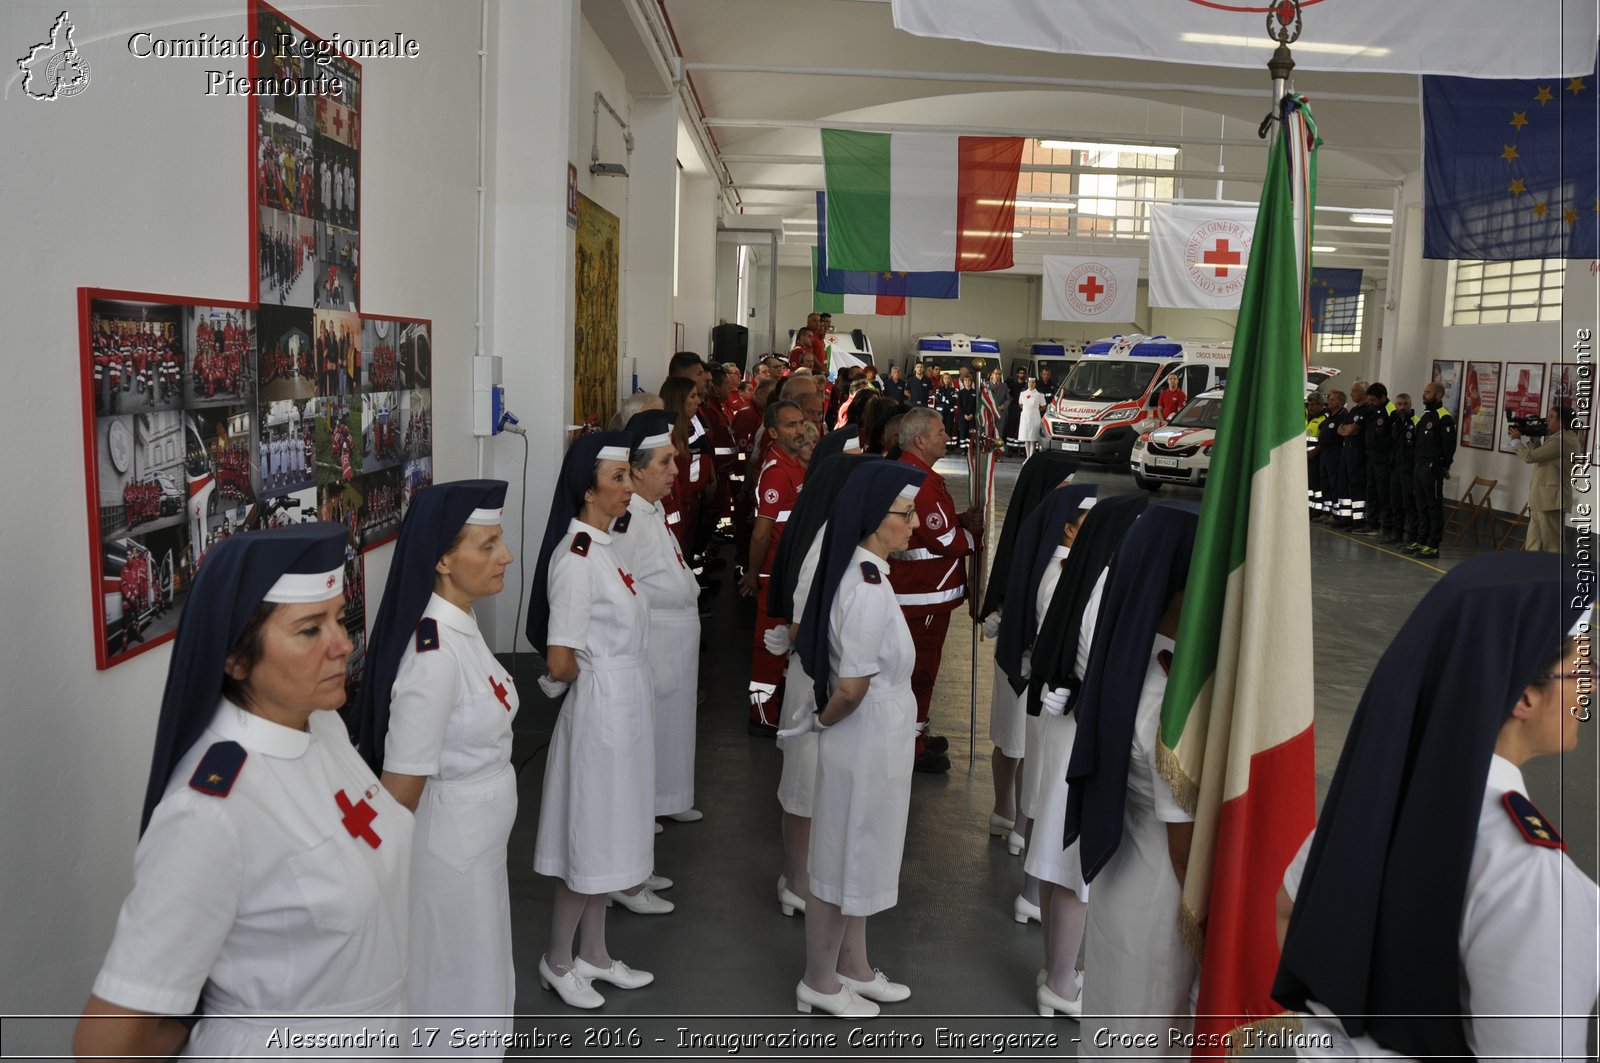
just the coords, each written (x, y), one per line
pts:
(1504, 776)
(595, 534)
(257, 734)
(1060, 553)
(451, 615)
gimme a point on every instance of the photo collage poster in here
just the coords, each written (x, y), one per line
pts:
(1524, 389)
(205, 418)
(1480, 406)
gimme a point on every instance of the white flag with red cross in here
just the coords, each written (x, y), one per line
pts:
(1077, 288)
(1198, 254)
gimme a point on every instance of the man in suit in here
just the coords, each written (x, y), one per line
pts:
(1552, 479)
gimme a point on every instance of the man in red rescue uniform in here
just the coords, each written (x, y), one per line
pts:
(777, 487)
(929, 578)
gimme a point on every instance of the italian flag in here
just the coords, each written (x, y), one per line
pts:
(1236, 723)
(866, 305)
(920, 202)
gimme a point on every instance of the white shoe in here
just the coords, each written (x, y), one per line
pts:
(1050, 1005)
(844, 1003)
(656, 883)
(1023, 911)
(573, 988)
(880, 988)
(644, 902)
(1015, 843)
(790, 902)
(691, 815)
(618, 974)
(998, 826)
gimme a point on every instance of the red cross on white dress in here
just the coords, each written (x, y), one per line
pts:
(500, 692)
(358, 819)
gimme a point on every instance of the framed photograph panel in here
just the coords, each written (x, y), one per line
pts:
(1524, 388)
(1448, 372)
(1480, 406)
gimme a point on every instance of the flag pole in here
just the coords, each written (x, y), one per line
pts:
(974, 597)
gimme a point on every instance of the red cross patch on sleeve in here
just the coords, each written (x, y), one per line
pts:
(1535, 827)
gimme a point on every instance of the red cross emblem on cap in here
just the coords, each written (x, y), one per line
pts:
(330, 581)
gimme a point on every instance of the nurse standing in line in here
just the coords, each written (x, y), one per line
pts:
(435, 713)
(1439, 915)
(855, 644)
(650, 553)
(271, 877)
(597, 816)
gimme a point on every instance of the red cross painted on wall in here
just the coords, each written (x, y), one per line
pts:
(500, 692)
(1091, 288)
(1221, 257)
(358, 819)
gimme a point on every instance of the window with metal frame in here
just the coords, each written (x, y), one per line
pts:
(1499, 293)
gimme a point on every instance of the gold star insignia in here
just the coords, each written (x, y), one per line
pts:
(1518, 119)
(1535, 821)
(1518, 187)
(1543, 834)
(1509, 153)
(213, 778)
(1576, 86)
(1544, 95)
(1541, 209)
(1569, 216)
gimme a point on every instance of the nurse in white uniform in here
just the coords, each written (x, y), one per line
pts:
(435, 711)
(650, 552)
(597, 816)
(793, 572)
(270, 882)
(854, 641)
(1439, 915)
(1132, 833)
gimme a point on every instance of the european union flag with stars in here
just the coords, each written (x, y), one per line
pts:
(1510, 168)
(1335, 299)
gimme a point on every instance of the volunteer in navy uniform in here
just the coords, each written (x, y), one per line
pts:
(856, 645)
(1132, 833)
(794, 569)
(270, 882)
(435, 713)
(597, 815)
(650, 553)
(1438, 915)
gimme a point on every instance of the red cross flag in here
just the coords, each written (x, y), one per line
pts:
(1198, 254)
(1090, 289)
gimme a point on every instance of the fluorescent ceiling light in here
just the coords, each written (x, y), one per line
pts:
(1323, 250)
(1262, 42)
(1372, 219)
(1163, 150)
(1045, 204)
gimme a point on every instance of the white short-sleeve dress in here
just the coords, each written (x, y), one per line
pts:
(863, 788)
(1008, 710)
(597, 817)
(450, 718)
(650, 553)
(798, 781)
(280, 905)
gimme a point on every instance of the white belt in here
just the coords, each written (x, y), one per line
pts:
(931, 597)
(918, 554)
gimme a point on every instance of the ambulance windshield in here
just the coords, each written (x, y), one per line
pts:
(1094, 380)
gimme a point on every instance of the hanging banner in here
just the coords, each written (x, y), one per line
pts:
(1198, 254)
(1077, 288)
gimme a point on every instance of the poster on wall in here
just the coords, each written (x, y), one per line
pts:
(1448, 373)
(1480, 406)
(1572, 386)
(595, 320)
(1524, 389)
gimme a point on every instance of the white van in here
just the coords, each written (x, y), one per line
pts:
(1036, 353)
(948, 352)
(1110, 396)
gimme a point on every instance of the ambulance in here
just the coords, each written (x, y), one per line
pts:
(948, 352)
(1044, 352)
(1110, 397)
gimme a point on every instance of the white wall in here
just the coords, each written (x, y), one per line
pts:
(140, 183)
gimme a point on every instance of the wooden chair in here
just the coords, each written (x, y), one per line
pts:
(1472, 512)
(1509, 525)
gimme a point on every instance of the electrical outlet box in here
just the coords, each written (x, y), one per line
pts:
(488, 397)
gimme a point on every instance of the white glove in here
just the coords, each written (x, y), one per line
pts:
(811, 723)
(552, 687)
(1055, 700)
(777, 640)
(991, 625)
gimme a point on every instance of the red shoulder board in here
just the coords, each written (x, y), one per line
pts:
(580, 544)
(622, 522)
(427, 634)
(217, 770)
(1535, 827)
(869, 572)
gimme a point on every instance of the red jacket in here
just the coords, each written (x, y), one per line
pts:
(930, 577)
(776, 491)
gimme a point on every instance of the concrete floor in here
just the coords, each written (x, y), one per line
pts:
(727, 961)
